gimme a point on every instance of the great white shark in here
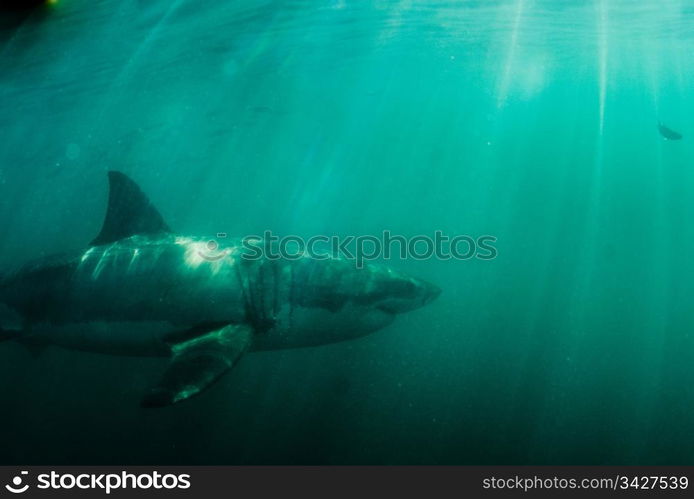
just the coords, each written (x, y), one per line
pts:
(140, 289)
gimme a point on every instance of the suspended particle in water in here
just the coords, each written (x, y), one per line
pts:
(230, 68)
(72, 151)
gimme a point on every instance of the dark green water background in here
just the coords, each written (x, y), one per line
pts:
(533, 121)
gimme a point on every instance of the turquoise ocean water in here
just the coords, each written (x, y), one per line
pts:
(533, 121)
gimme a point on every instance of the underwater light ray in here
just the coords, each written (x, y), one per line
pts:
(602, 59)
(142, 49)
(511, 55)
(592, 219)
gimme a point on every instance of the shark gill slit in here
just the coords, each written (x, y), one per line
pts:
(263, 302)
(275, 290)
(292, 293)
(245, 292)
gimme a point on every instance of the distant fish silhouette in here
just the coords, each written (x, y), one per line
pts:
(668, 133)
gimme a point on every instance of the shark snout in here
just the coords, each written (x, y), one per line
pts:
(409, 294)
(430, 292)
(426, 293)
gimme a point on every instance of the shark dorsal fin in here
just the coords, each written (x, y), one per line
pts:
(129, 212)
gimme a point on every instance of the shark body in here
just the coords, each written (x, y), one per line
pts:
(140, 289)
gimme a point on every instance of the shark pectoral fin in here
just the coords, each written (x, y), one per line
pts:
(198, 362)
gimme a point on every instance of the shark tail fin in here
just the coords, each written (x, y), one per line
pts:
(9, 334)
(29, 343)
(10, 327)
(10, 322)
